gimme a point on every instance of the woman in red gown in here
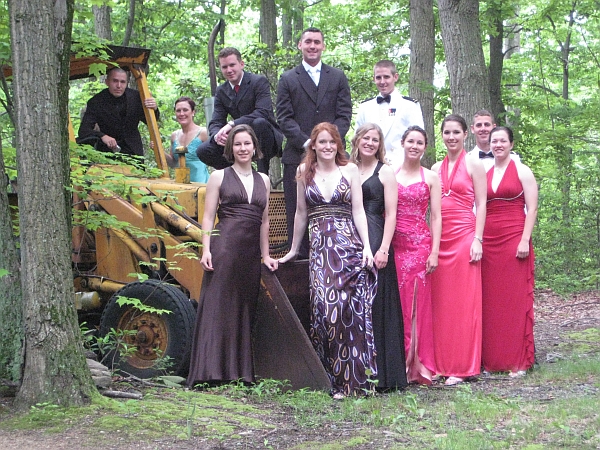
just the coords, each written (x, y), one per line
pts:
(456, 284)
(512, 201)
(416, 251)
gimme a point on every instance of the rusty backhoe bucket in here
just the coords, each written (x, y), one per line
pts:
(282, 350)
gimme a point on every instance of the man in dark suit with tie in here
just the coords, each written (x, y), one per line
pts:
(246, 98)
(112, 116)
(307, 95)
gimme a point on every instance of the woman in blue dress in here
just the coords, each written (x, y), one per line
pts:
(190, 136)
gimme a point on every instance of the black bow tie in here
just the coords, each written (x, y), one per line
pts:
(483, 155)
(385, 98)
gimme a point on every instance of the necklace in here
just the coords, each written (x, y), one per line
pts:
(367, 169)
(243, 174)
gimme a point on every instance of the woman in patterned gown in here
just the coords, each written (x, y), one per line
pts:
(456, 283)
(416, 249)
(190, 136)
(342, 278)
(508, 344)
(222, 344)
(380, 198)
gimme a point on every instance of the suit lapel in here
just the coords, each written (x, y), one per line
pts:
(244, 88)
(307, 83)
(323, 83)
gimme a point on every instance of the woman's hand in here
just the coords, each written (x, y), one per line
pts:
(367, 260)
(432, 263)
(476, 250)
(381, 259)
(289, 256)
(206, 261)
(271, 263)
(523, 249)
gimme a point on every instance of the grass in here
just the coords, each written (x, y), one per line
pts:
(556, 406)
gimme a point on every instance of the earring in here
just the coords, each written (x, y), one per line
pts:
(254, 153)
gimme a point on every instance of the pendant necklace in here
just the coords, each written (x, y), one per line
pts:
(243, 174)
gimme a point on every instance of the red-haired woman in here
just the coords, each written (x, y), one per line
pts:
(342, 278)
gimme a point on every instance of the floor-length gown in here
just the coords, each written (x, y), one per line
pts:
(412, 247)
(456, 283)
(341, 292)
(507, 280)
(198, 170)
(222, 345)
(388, 329)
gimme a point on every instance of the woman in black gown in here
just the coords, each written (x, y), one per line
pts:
(239, 196)
(380, 199)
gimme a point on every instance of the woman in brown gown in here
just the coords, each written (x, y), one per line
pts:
(222, 346)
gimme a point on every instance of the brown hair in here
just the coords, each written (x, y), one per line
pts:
(191, 102)
(386, 64)
(360, 132)
(228, 152)
(228, 51)
(310, 159)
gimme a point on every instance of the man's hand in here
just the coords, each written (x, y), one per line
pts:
(221, 136)
(150, 103)
(110, 142)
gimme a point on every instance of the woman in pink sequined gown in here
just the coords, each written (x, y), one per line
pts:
(456, 284)
(416, 252)
(508, 344)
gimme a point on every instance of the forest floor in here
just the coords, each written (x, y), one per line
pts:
(542, 410)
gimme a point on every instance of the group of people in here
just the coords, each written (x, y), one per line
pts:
(408, 266)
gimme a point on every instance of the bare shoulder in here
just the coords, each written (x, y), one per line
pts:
(436, 167)
(430, 175)
(387, 173)
(266, 180)
(523, 171)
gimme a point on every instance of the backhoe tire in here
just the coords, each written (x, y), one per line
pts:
(156, 335)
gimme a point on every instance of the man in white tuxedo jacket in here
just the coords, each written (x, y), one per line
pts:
(390, 110)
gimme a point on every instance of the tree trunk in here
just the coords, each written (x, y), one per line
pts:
(130, 21)
(422, 62)
(292, 22)
(496, 66)
(461, 35)
(102, 24)
(55, 370)
(11, 314)
(268, 24)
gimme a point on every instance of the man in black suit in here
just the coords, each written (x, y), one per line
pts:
(112, 116)
(245, 97)
(307, 95)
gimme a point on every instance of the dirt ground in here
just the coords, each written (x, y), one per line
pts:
(554, 318)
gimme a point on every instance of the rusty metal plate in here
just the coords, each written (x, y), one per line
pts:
(282, 350)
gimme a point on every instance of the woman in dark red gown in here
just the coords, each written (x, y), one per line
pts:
(508, 261)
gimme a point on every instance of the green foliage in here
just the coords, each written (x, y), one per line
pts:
(4, 272)
(138, 305)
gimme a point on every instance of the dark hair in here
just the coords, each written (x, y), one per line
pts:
(386, 64)
(483, 113)
(360, 132)
(455, 118)
(228, 51)
(414, 128)
(509, 132)
(312, 30)
(310, 159)
(228, 152)
(191, 102)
